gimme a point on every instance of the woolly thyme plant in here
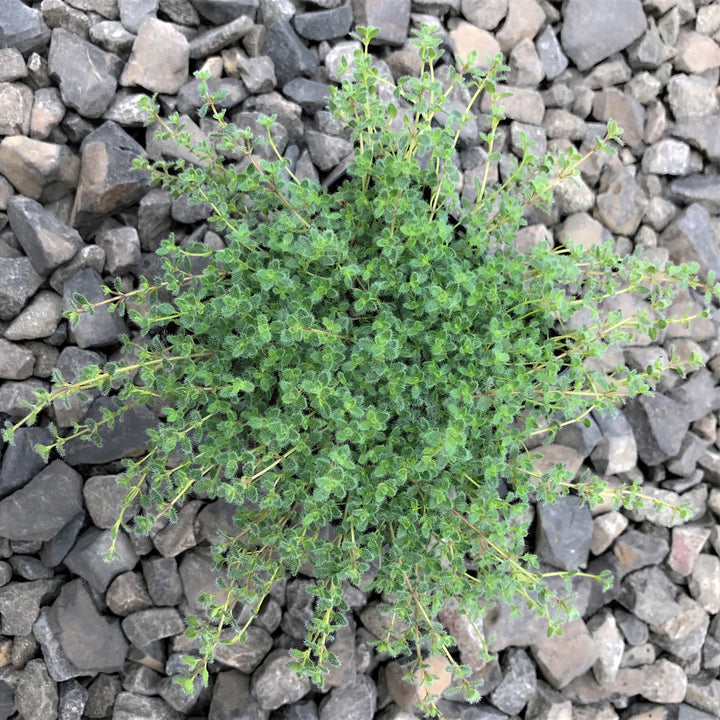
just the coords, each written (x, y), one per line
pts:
(360, 369)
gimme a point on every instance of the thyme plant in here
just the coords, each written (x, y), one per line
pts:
(360, 370)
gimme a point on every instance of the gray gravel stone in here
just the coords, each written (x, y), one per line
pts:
(356, 701)
(701, 132)
(131, 706)
(22, 28)
(39, 319)
(702, 189)
(216, 39)
(18, 282)
(16, 102)
(87, 75)
(246, 656)
(593, 32)
(553, 59)
(275, 685)
(219, 12)
(325, 24)
(41, 508)
(667, 157)
(20, 604)
(289, 55)
(231, 693)
(649, 595)
(518, 682)
(16, 361)
(36, 695)
(162, 579)
(564, 533)
(85, 558)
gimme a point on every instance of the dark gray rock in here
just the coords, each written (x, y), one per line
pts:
(198, 576)
(71, 363)
(288, 53)
(20, 462)
(7, 700)
(698, 395)
(564, 533)
(650, 595)
(87, 75)
(310, 95)
(702, 189)
(246, 656)
(356, 701)
(274, 684)
(122, 249)
(299, 608)
(702, 132)
(130, 706)
(163, 581)
(391, 19)
(636, 550)
(72, 700)
(22, 28)
(128, 594)
(15, 396)
(188, 99)
(518, 683)
(18, 282)
(20, 604)
(86, 560)
(36, 695)
(232, 700)
(219, 12)
(108, 180)
(102, 692)
(28, 567)
(172, 539)
(146, 626)
(324, 24)
(134, 12)
(43, 506)
(659, 426)
(104, 498)
(64, 628)
(101, 327)
(593, 32)
(55, 550)
(216, 39)
(690, 238)
(154, 218)
(258, 74)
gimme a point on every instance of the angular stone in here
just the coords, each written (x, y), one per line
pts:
(621, 204)
(134, 12)
(87, 75)
(610, 646)
(649, 595)
(704, 693)
(667, 157)
(624, 109)
(127, 439)
(553, 59)
(189, 100)
(310, 95)
(157, 39)
(580, 228)
(696, 53)
(325, 24)
(219, 12)
(20, 462)
(198, 576)
(663, 682)
(36, 695)
(46, 241)
(606, 528)
(699, 395)
(592, 32)
(108, 181)
(683, 636)
(485, 14)
(636, 550)
(289, 55)
(391, 19)
(146, 626)
(127, 594)
(524, 18)
(466, 37)
(174, 539)
(257, 73)
(563, 657)
(564, 532)
(232, 691)
(518, 682)
(691, 238)
(39, 170)
(507, 629)
(71, 363)
(104, 498)
(39, 319)
(327, 151)
(20, 604)
(659, 426)
(40, 509)
(704, 582)
(112, 37)
(22, 28)
(701, 132)
(16, 362)
(617, 451)
(16, 101)
(47, 113)
(524, 105)
(15, 396)
(702, 189)
(248, 655)
(125, 109)
(275, 685)
(180, 11)
(216, 39)
(408, 694)
(162, 580)
(467, 634)
(691, 96)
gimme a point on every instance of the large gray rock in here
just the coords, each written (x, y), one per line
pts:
(36, 695)
(564, 533)
(594, 31)
(18, 282)
(46, 241)
(288, 53)
(20, 462)
(41, 508)
(64, 628)
(101, 327)
(275, 685)
(87, 75)
(22, 28)
(20, 604)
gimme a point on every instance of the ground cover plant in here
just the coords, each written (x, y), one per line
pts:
(360, 370)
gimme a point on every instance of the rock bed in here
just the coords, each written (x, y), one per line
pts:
(80, 638)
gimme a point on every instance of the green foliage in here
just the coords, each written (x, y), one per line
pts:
(361, 369)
